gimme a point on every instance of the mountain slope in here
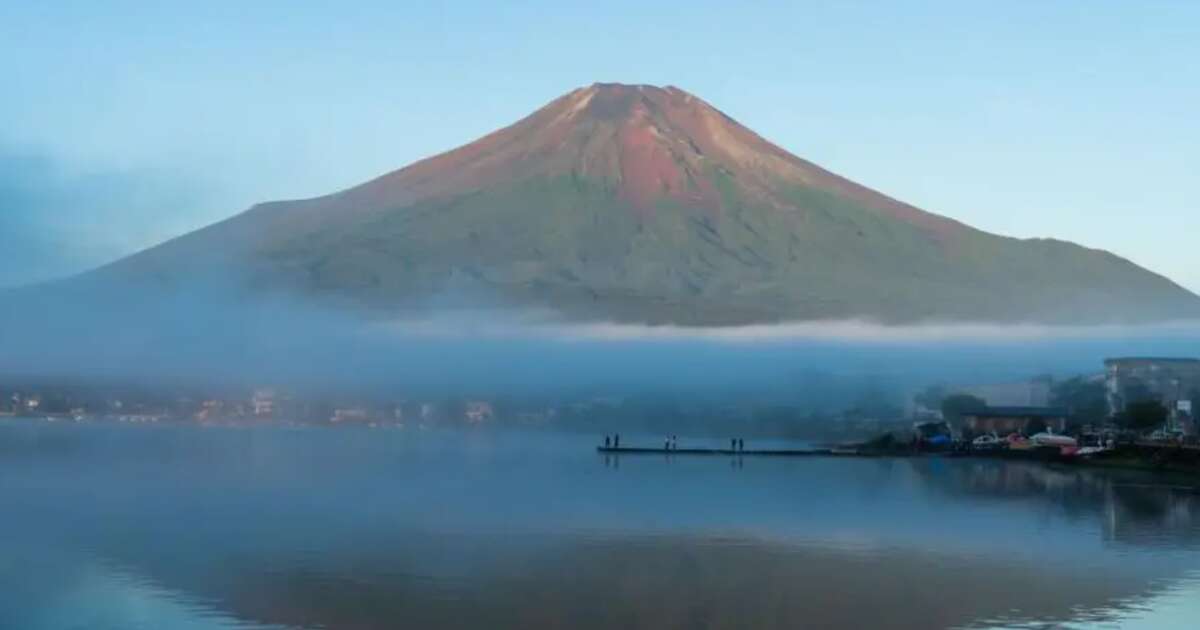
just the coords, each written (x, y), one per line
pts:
(647, 204)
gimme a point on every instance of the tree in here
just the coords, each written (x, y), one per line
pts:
(1086, 401)
(1143, 415)
(1194, 397)
(955, 405)
(931, 398)
(1136, 391)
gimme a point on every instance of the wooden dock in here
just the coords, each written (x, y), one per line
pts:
(809, 452)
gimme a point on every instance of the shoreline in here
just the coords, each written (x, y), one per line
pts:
(1143, 458)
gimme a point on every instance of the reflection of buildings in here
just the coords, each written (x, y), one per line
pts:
(1130, 508)
(1175, 382)
(1153, 516)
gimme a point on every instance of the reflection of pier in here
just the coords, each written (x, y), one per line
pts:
(806, 452)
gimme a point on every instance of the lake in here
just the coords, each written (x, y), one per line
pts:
(110, 526)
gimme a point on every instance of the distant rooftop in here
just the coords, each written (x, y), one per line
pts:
(1017, 412)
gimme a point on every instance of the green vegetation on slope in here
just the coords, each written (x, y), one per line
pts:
(572, 243)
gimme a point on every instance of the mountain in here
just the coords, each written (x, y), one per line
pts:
(646, 204)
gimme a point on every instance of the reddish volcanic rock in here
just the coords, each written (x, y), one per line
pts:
(652, 143)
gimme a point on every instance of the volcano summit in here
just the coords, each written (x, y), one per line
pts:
(646, 204)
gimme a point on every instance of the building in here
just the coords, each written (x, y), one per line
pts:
(209, 410)
(479, 411)
(1034, 392)
(350, 414)
(1006, 420)
(1175, 382)
(13, 406)
(263, 403)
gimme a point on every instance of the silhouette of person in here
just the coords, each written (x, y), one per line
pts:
(674, 442)
(667, 443)
(617, 441)
(741, 444)
(607, 441)
(733, 444)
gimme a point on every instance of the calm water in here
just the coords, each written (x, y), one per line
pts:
(129, 527)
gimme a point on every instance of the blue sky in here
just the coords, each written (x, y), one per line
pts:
(122, 124)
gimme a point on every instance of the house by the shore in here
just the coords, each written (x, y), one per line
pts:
(1006, 420)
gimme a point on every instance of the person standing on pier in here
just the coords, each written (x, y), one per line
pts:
(741, 445)
(617, 441)
(732, 444)
(667, 443)
(607, 441)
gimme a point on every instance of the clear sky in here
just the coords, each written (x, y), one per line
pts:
(124, 123)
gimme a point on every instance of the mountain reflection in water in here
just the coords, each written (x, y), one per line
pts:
(185, 527)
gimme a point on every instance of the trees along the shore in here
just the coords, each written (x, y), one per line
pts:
(955, 405)
(1136, 391)
(1085, 400)
(931, 398)
(1143, 415)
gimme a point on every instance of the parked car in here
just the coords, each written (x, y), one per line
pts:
(988, 442)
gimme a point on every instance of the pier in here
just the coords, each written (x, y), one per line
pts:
(809, 452)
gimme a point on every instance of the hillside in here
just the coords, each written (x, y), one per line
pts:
(646, 204)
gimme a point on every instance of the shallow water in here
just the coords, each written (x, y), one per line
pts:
(128, 527)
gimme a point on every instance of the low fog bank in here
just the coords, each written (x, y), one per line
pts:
(58, 217)
(114, 334)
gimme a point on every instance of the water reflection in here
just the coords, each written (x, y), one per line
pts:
(47, 590)
(1132, 508)
(369, 529)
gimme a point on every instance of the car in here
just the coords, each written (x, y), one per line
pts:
(987, 442)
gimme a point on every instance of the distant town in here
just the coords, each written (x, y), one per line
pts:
(1145, 395)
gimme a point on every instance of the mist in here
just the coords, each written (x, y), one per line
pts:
(59, 219)
(214, 336)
